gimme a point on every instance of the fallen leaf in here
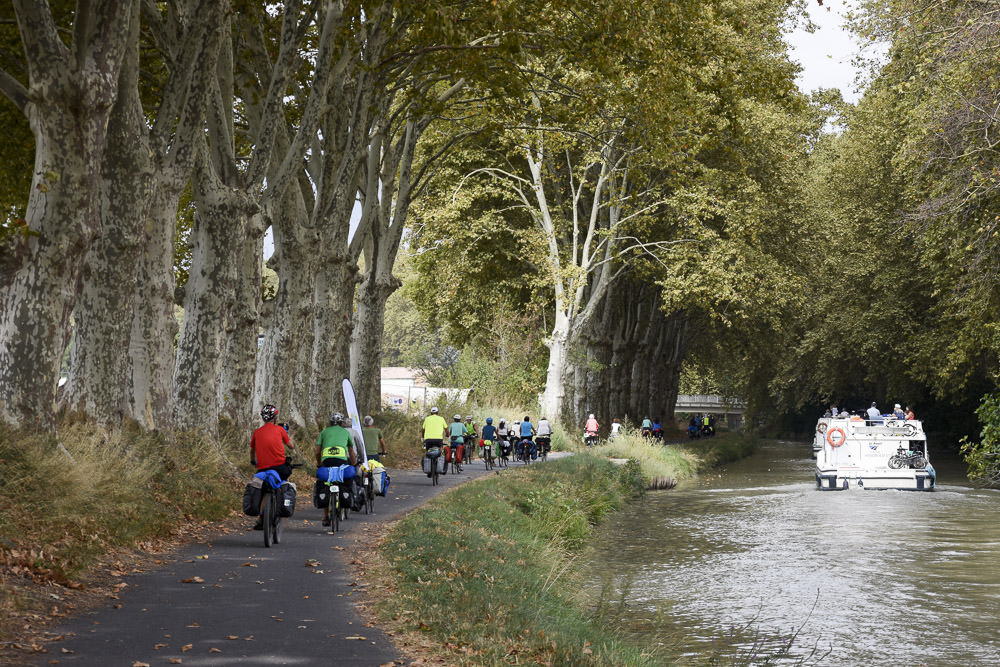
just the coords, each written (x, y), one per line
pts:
(231, 637)
(313, 563)
(140, 664)
(186, 647)
(193, 580)
(356, 637)
(175, 661)
(215, 650)
(157, 647)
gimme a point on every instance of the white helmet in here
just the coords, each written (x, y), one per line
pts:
(434, 410)
(458, 418)
(591, 415)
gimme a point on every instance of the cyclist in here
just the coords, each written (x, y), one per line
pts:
(489, 433)
(503, 437)
(590, 429)
(527, 432)
(657, 429)
(335, 448)
(434, 430)
(647, 427)
(374, 442)
(470, 438)
(457, 433)
(267, 449)
(616, 427)
(544, 432)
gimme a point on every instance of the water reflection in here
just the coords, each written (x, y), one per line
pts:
(884, 577)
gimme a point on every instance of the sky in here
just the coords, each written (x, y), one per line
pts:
(826, 55)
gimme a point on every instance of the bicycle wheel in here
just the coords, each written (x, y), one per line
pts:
(277, 526)
(895, 462)
(919, 462)
(434, 472)
(334, 509)
(267, 518)
(369, 494)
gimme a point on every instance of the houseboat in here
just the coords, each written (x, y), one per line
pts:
(872, 454)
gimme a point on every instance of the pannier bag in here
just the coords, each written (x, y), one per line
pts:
(336, 473)
(321, 495)
(381, 481)
(251, 497)
(286, 508)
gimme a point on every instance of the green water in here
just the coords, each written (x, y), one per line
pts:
(864, 577)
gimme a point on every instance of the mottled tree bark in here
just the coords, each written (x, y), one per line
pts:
(68, 101)
(99, 378)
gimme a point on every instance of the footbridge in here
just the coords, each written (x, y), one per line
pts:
(708, 403)
(731, 408)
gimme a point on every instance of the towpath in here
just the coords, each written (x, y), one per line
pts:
(231, 601)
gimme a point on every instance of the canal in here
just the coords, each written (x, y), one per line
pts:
(754, 552)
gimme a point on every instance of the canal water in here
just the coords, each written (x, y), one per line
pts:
(755, 553)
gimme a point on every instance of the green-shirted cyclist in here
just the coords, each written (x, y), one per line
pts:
(334, 448)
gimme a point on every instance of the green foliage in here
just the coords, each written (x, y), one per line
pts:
(983, 457)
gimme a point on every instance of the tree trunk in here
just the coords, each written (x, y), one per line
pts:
(239, 360)
(552, 398)
(99, 377)
(219, 232)
(62, 209)
(288, 327)
(336, 278)
(154, 326)
(366, 357)
(68, 101)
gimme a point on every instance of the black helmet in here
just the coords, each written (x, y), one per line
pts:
(268, 413)
(336, 418)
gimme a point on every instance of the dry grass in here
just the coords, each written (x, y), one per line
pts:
(88, 500)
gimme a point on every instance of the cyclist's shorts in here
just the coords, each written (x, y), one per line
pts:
(333, 462)
(433, 442)
(284, 470)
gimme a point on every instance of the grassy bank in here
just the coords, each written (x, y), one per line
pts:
(485, 571)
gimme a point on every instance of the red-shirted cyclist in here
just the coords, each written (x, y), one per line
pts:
(267, 448)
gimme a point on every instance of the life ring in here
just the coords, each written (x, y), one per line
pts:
(821, 427)
(843, 437)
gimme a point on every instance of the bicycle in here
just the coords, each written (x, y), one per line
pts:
(433, 453)
(270, 511)
(469, 449)
(503, 454)
(456, 456)
(544, 445)
(488, 454)
(524, 449)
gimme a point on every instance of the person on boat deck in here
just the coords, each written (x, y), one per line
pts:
(897, 412)
(909, 413)
(873, 414)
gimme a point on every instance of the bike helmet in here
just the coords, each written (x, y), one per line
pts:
(434, 410)
(269, 413)
(468, 418)
(489, 420)
(368, 420)
(591, 415)
(458, 418)
(336, 418)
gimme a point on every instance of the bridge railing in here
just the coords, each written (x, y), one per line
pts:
(709, 402)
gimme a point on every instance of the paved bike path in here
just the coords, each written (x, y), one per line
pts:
(233, 601)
